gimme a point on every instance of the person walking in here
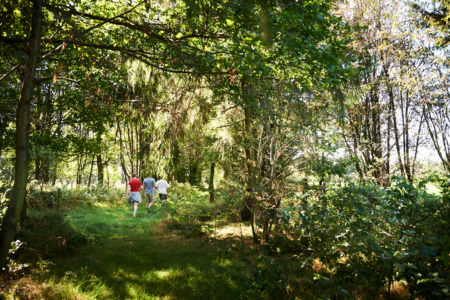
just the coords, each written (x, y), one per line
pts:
(149, 184)
(162, 187)
(133, 193)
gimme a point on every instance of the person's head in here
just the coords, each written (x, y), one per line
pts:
(134, 175)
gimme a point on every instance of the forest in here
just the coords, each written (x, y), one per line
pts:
(306, 144)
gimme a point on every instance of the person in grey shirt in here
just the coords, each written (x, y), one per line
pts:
(149, 184)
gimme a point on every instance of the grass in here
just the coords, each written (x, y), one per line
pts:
(138, 258)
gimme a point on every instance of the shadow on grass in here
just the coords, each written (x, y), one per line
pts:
(138, 259)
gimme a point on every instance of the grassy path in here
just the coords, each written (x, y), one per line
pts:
(138, 259)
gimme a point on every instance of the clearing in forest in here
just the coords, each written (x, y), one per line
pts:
(136, 258)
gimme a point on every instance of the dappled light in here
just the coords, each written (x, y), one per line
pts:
(140, 260)
(210, 149)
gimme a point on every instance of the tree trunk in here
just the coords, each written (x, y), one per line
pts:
(100, 170)
(417, 144)
(388, 154)
(23, 211)
(37, 171)
(246, 212)
(12, 215)
(45, 171)
(107, 173)
(122, 160)
(396, 135)
(194, 174)
(90, 173)
(131, 142)
(78, 172)
(55, 173)
(211, 183)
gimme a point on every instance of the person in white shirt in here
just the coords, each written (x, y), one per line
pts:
(162, 187)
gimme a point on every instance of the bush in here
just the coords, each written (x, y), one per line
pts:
(192, 205)
(51, 235)
(48, 194)
(374, 236)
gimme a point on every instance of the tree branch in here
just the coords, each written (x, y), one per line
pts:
(9, 72)
(39, 81)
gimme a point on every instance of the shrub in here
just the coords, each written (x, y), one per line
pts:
(51, 235)
(48, 194)
(374, 236)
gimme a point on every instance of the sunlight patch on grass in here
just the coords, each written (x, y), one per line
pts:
(224, 262)
(124, 274)
(71, 288)
(234, 230)
(163, 274)
(101, 205)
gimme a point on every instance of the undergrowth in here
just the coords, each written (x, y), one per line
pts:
(356, 242)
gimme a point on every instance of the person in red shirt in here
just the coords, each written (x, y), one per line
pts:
(133, 193)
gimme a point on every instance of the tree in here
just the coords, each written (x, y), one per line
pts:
(206, 39)
(12, 215)
(384, 117)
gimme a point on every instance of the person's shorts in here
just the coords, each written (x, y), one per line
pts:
(149, 198)
(162, 197)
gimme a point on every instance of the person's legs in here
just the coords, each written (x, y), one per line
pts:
(135, 204)
(149, 199)
(163, 198)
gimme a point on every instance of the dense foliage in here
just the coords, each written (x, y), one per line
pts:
(373, 236)
(314, 123)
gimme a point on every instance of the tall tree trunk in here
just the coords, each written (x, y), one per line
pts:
(37, 171)
(122, 160)
(45, 171)
(107, 173)
(23, 210)
(433, 131)
(55, 173)
(90, 173)
(100, 170)
(417, 143)
(396, 135)
(407, 145)
(388, 154)
(246, 212)
(78, 172)
(138, 150)
(131, 142)
(12, 215)
(211, 183)
(194, 173)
